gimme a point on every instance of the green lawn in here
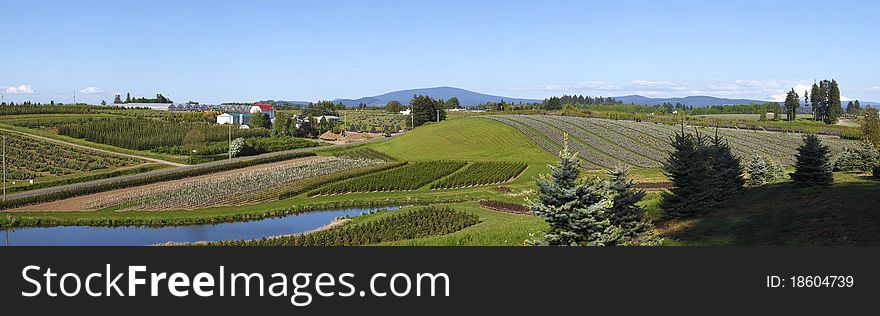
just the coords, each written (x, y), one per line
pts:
(472, 139)
(845, 213)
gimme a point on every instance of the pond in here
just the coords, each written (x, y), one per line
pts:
(142, 236)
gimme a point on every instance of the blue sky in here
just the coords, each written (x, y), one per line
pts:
(214, 51)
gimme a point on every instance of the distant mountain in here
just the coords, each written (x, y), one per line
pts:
(695, 101)
(465, 97)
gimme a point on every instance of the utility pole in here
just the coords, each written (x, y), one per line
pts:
(74, 97)
(230, 141)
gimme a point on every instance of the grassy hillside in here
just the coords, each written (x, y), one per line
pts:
(472, 139)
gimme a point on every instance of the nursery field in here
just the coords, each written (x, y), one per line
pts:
(603, 143)
(146, 134)
(49, 163)
(404, 178)
(453, 166)
(236, 187)
(374, 121)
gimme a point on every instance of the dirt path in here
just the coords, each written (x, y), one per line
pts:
(82, 203)
(58, 141)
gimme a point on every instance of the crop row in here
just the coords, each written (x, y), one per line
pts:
(589, 154)
(627, 156)
(146, 134)
(160, 176)
(481, 173)
(646, 144)
(31, 158)
(620, 138)
(429, 221)
(408, 177)
(228, 189)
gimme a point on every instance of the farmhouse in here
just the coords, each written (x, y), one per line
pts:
(233, 118)
(264, 108)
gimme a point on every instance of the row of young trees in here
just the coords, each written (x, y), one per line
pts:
(128, 99)
(395, 106)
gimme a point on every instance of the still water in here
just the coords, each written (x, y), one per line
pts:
(141, 236)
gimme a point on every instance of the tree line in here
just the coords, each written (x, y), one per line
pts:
(117, 99)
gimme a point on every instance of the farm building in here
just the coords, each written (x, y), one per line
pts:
(264, 108)
(406, 112)
(233, 118)
(330, 119)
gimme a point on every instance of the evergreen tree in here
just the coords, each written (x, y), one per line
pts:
(281, 127)
(632, 220)
(688, 169)
(816, 102)
(871, 127)
(726, 169)
(260, 121)
(860, 159)
(762, 170)
(792, 103)
(127, 97)
(425, 109)
(812, 166)
(759, 172)
(589, 212)
(833, 109)
(453, 103)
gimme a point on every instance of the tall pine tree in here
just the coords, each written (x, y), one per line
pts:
(726, 169)
(812, 166)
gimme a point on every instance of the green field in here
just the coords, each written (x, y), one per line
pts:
(777, 214)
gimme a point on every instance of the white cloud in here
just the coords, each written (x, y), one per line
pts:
(91, 90)
(22, 89)
(874, 88)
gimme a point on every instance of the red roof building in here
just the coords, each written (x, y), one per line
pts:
(264, 106)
